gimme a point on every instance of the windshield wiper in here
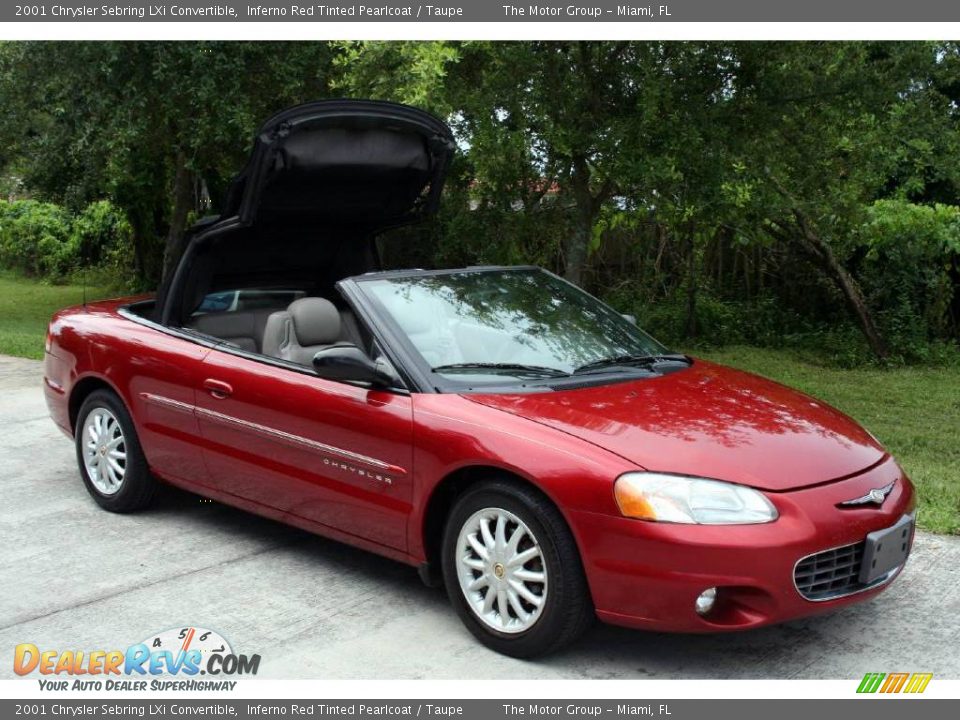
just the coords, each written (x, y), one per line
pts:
(645, 360)
(507, 368)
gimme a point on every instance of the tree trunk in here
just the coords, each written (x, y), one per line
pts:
(182, 202)
(854, 297)
(139, 253)
(662, 239)
(145, 255)
(691, 283)
(577, 244)
(721, 252)
(822, 255)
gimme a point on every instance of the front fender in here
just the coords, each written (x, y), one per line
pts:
(451, 434)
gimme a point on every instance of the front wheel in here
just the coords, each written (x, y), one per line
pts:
(112, 464)
(512, 570)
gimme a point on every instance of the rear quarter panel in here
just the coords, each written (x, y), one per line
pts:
(95, 342)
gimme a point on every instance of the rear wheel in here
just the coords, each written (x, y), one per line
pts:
(512, 570)
(111, 461)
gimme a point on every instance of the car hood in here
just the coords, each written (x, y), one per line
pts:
(710, 421)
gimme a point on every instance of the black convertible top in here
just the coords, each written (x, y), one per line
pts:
(323, 180)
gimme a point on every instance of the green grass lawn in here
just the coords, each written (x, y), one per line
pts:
(915, 412)
(25, 309)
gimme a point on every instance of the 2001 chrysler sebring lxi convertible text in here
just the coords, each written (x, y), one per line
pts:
(507, 433)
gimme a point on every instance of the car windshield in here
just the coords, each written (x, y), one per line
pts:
(488, 326)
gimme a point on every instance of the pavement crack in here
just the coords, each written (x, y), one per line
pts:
(168, 578)
(21, 421)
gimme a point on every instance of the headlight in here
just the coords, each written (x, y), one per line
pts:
(681, 499)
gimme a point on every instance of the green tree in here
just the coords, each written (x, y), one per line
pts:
(146, 123)
(824, 129)
(773, 154)
(560, 114)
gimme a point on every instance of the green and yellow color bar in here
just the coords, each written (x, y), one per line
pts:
(894, 682)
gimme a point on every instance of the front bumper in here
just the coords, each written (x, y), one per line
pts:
(648, 575)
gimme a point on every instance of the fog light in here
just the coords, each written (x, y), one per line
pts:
(706, 601)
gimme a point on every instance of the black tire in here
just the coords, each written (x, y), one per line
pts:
(138, 486)
(567, 611)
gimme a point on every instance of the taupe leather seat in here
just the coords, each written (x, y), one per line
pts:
(243, 329)
(429, 332)
(307, 326)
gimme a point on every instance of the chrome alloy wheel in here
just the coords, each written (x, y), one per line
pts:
(501, 570)
(104, 451)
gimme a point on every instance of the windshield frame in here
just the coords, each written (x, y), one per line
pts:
(421, 373)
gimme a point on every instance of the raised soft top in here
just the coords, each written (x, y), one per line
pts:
(360, 163)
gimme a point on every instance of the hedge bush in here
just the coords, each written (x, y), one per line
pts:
(912, 253)
(45, 240)
(35, 238)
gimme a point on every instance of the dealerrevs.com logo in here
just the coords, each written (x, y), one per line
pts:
(170, 660)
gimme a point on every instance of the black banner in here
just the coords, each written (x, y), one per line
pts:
(482, 11)
(880, 709)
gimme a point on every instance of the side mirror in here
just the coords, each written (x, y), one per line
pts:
(632, 319)
(349, 363)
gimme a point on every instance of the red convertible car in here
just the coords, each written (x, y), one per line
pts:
(500, 429)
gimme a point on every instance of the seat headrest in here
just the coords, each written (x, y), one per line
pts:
(315, 321)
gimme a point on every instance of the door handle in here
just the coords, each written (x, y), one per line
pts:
(218, 388)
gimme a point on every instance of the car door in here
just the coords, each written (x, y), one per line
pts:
(163, 371)
(328, 452)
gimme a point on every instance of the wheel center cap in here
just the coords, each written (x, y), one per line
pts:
(498, 570)
(103, 449)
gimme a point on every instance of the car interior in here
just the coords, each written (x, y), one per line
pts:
(276, 298)
(323, 180)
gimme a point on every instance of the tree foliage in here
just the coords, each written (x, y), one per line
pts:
(144, 122)
(46, 240)
(800, 185)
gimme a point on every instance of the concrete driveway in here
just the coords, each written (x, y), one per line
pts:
(74, 576)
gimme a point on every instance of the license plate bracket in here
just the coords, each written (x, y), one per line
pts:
(886, 549)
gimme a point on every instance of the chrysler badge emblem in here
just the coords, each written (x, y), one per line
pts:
(876, 496)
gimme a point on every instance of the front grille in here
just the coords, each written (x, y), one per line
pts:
(831, 573)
